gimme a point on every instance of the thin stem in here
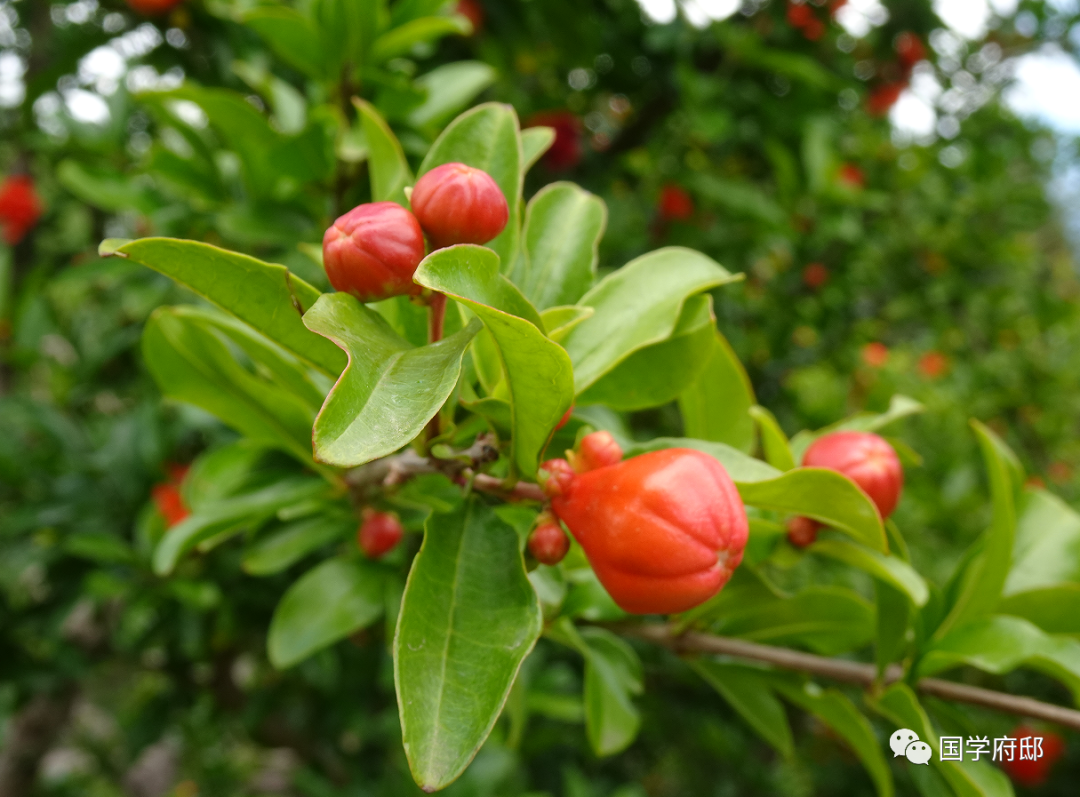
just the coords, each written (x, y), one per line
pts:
(851, 672)
(436, 317)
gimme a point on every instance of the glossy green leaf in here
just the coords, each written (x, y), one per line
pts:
(109, 190)
(636, 306)
(449, 89)
(469, 617)
(742, 468)
(487, 137)
(232, 513)
(390, 172)
(1055, 609)
(900, 407)
(967, 778)
(348, 30)
(537, 370)
(290, 543)
(773, 439)
(328, 603)
(264, 295)
(190, 363)
(894, 615)
(657, 374)
(401, 39)
(1001, 644)
(1047, 547)
(389, 390)
(749, 693)
(982, 582)
(834, 708)
(291, 35)
(613, 675)
(890, 569)
(535, 141)
(560, 242)
(717, 405)
(829, 620)
(558, 321)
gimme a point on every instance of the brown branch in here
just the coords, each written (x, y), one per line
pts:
(851, 672)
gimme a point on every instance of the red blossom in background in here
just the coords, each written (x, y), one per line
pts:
(884, 97)
(565, 152)
(875, 354)
(20, 207)
(167, 496)
(1034, 773)
(815, 275)
(799, 14)
(473, 11)
(851, 175)
(153, 7)
(675, 204)
(909, 48)
(933, 364)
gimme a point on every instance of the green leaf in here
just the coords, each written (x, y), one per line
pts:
(829, 620)
(326, 604)
(717, 405)
(657, 374)
(487, 137)
(833, 708)
(894, 615)
(1002, 644)
(108, 190)
(889, 569)
(190, 363)
(348, 29)
(290, 543)
(558, 321)
(469, 617)
(773, 439)
(390, 171)
(967, 778)
(1055, 609)
(982, 582)
(535, 141)
(821, 494)
(748, 692)
(537, 370)
(264, 295)
(899, 407)
(1047, 548)
(291, 35)
(560, 241)
(449, 89)
(400, 40)
(389, 390)
(636, 306)
(232, 514)
(613, 675)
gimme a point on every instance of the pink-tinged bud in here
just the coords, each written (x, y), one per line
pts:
(556, 476)
(457, 204)
(802, 531)
(864, 458)
(373, 250)
(548, 542)
(379, 533)
(597, 450)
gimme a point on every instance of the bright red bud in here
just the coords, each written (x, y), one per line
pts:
(555, 476)
(663, 531)
(548, 542)
(457, 204)
(20, 207)
(379, 533)
(597, 450)
(373, 250)
(864, 458)
(675, 203)
(153, 7)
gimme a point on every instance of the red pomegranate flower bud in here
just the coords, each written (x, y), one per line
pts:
(864, 458)
(875, 354)
(884, 97)
(169, 503)
(153, 7)
(373, 250)
(457, 204)
(555, 476)
(1033, 771)
(852, 176)
(547, 541)
(815, 275)
(20, 207)
(663, 531)
(933, 364)
(802, 531)
(813, 30)
(909, 49)
(597, 450)
(675, 203)
(799, 14)
(379, 533)
(474, 12)
(565, 153)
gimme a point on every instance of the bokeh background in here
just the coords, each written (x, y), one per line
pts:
(899, 181)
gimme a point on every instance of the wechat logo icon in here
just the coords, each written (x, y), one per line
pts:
(905, 742)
